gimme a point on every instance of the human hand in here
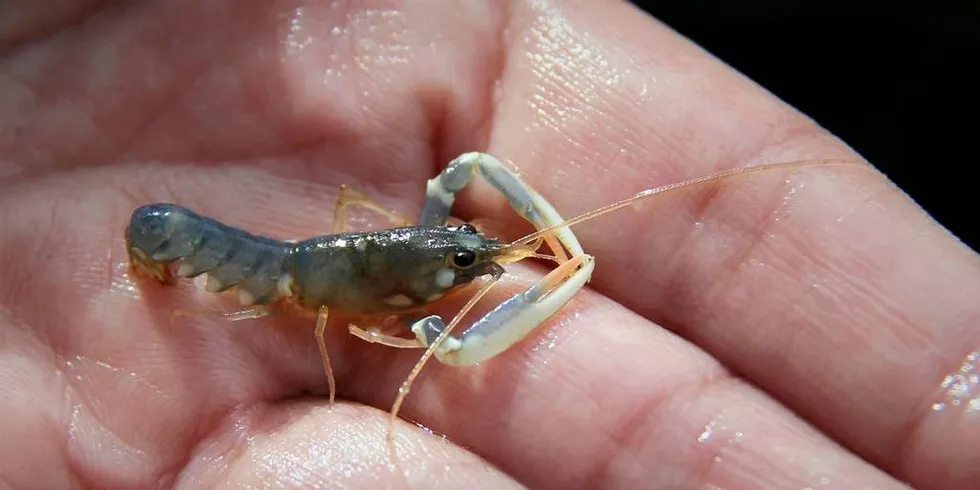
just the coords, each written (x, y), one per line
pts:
(810, 317)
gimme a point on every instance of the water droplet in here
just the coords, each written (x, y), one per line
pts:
(705, 435)
(962, 386)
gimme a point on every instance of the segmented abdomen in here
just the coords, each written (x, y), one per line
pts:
(159, 234)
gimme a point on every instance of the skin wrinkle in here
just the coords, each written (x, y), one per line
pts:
(211, 434)
(738, 259)
(19, 294)
(647, 414)
(702, 213)
(730, 280)
(565, 88)
(825, 265)
(179, 91)
(76, 459)
(680, 255)
(200, 417)
(92, 412)
(11, 171)
(207, 427)
(173, 95)
(43, 28)
(366, 89)
(136, 130)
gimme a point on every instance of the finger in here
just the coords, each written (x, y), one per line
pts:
(818, 285)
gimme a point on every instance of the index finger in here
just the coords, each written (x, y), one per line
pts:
(831, 290)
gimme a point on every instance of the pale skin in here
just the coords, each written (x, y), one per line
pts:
(837, 301)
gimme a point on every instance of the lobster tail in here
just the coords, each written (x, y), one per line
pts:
(158, 235)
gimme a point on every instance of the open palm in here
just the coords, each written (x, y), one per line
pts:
(785, 330)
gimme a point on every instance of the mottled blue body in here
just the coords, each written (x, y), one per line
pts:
(361, 272)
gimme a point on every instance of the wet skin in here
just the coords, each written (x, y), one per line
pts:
(781, 331)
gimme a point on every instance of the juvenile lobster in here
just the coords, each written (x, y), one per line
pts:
(391, 271)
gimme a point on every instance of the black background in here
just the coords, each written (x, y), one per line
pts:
(894, 80)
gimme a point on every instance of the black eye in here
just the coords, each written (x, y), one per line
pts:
(467, 228)
(464, 258)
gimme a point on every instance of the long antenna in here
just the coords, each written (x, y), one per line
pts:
(736, 172)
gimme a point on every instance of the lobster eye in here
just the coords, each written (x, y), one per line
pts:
(464, 258)
(467, 228)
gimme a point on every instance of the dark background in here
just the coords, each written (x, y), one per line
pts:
(894, 80)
